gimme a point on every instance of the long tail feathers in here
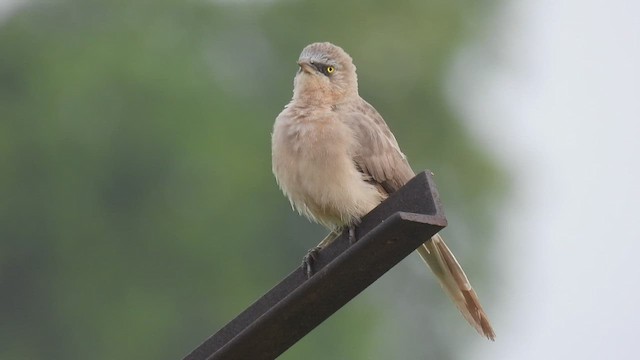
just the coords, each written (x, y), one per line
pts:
(455, 283)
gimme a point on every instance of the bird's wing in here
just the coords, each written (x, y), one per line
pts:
(377, 155)
(379, 158)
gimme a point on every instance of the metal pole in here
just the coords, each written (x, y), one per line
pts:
(298, 304)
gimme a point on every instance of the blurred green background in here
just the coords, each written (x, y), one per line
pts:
(138, 210)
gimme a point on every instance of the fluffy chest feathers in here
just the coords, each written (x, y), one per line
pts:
(312, 161)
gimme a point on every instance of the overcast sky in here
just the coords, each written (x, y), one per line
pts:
(554, 92)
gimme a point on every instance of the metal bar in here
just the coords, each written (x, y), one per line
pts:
(297, 305)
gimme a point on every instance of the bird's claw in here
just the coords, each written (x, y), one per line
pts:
(352, 235)
(309, 259)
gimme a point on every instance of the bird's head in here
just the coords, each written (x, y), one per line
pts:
(326, 75)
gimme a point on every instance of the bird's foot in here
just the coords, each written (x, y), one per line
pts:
(353, 238)
(309, 259)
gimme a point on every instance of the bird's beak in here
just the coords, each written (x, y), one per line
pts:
(306, 66)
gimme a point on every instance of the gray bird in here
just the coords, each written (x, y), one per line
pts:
(335, 158)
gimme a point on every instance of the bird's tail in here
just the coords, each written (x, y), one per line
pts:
(455, 283)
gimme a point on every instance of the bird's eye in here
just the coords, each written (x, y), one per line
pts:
(324, 69)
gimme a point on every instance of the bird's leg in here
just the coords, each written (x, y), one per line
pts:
(328, 239)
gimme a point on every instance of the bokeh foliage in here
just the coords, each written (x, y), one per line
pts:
(138, 212)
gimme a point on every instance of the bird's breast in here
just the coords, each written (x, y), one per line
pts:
(313, 165)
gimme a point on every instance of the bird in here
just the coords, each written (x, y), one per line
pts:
(336, 159)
